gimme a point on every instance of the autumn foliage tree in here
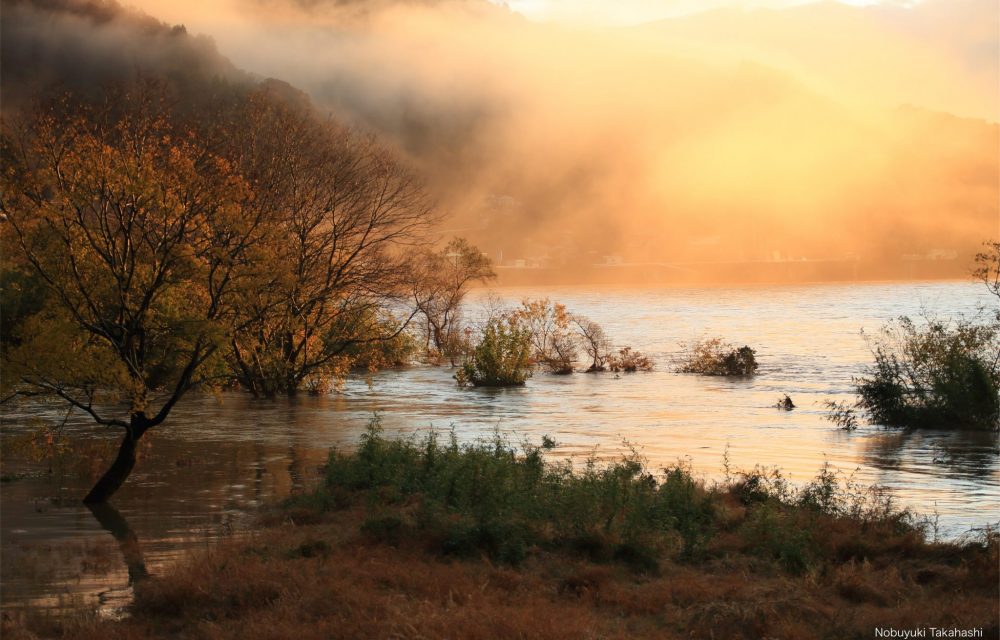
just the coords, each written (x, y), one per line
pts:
(174, 248)
(440, 282)
(553, 342)
(345, 213)
(137, 233)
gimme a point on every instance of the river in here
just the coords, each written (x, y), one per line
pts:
(221, 456)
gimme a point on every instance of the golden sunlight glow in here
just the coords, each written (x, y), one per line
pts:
(751, 130)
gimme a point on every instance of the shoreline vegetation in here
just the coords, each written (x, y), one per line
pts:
(432, 538)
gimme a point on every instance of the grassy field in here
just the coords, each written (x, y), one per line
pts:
(431, 539)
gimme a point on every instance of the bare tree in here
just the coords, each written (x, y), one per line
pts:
(345, 213)
(595, 342)
(987, 268)
(441, 280)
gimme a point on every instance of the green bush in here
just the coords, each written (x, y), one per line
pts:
(501, 359)
(774, 533)
(714, 357)
(939, 375)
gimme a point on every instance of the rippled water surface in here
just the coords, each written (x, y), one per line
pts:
(219, 457)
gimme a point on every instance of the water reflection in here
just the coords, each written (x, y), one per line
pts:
(968, 454)
(112, 521)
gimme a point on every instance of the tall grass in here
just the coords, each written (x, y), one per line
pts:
(494, 497)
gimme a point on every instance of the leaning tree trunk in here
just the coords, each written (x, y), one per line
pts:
(120, 469)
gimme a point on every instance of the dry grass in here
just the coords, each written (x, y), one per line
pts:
(326, 579)
(426, 541)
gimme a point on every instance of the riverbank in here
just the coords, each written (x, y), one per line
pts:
(490, 540)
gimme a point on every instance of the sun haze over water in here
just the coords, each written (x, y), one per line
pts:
(559, 133)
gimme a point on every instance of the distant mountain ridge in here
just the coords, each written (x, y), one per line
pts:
(83, 45)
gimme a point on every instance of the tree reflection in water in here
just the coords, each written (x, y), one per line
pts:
(112, 521)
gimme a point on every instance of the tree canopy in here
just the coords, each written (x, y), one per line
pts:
(153, 250)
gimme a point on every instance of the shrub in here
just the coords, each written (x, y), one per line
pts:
(842, 414)
(629, 361)
(773, 532)
(501, 359)
(713, 357)
(942, 375)
(491, 498)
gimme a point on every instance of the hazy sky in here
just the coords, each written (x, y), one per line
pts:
(616, 12)
(715, 134)
(636, 11)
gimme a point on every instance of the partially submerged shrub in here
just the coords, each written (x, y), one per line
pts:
(943, 375)
(629, 361)
(842, 414)
(714, 357)
(785, 403)
(502, 358)
(557, 338)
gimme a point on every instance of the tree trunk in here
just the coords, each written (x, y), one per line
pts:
(120, 469)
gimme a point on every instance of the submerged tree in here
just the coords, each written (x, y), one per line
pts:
(595, 342)
(344, 213)
(261, 244)
(440, 282)
(553, 343)
(136, 231)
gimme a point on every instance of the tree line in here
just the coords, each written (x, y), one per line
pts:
(151, 247)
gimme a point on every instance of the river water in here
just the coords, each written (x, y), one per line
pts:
(221, 456)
